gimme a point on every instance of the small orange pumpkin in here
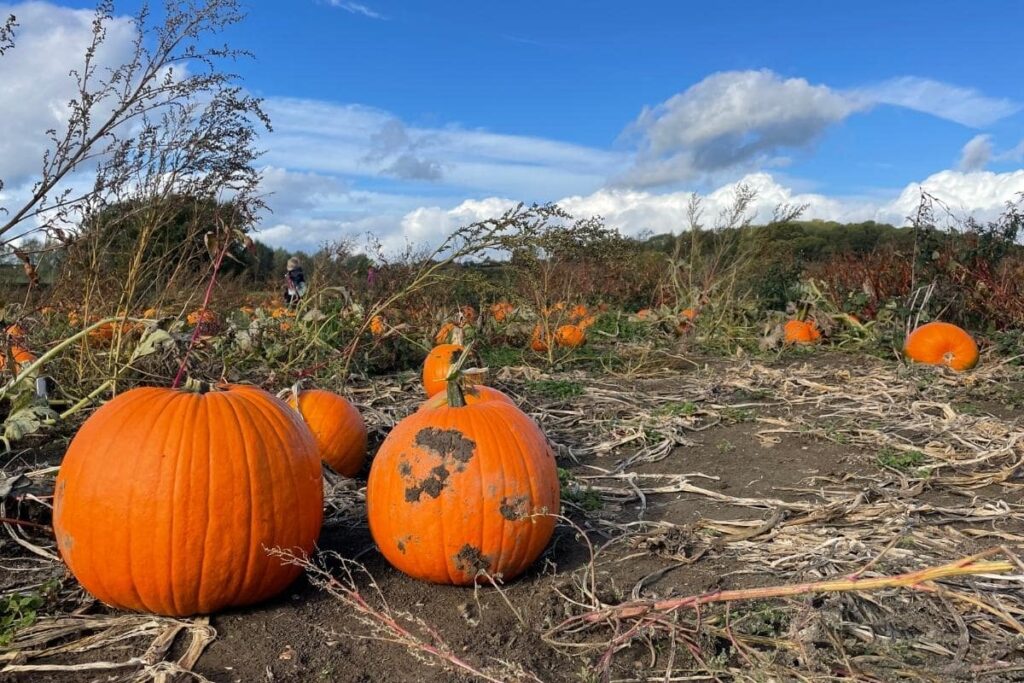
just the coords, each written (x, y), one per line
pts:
(377, 325)
(587, 322)
(801, 332)
(21, 356)
(444, 335)
(167, 499)
(939, 343)
(338, 428)
(537, 341)
(437, 366)
(644, 314)
(578, 312)
(501, 311)
(570, 336)
(16, 332)
(463, 490)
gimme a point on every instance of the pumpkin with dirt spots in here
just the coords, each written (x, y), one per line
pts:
(463, 491)
(437, 365)
(338, 428)
(801, 332)
(167, 500)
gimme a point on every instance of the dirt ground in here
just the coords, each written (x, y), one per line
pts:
(710, 477)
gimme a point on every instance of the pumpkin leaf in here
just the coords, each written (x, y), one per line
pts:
(155, 340)
(28, 420)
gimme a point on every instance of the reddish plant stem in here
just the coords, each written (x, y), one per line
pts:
(206, 302)
(22, 522)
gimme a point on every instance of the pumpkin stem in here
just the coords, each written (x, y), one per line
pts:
(197, 386)
(456, 397)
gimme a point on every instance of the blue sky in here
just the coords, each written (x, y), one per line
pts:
(405, 118)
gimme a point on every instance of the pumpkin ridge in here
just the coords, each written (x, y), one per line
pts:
(266, 425)
(193, 403)
(146, 597)
(522, 549)
(129, 527)
(211, 412)
(476, 424)
(244, 575)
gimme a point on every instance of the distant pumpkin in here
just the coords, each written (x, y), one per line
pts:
(578, 312)
(939, 343)
(21, 356)
(377, 325)
(15, 332)
(537, 341)
(801, 332)
(444, 335)
(501, 311)
(570, 336)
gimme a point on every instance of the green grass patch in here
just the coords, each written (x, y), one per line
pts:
(904, 461)
(677, 409)
(576, 493)
(555, 388)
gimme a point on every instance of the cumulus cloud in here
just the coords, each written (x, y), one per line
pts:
(727, 120)
(962, 105)
(35, 86)
(976, 153)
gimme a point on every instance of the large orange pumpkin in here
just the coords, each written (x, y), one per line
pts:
(801, 332)
(570, 336)
(942, 344)
(167, 499)
(463, 490)
(337, 427)
(437, 366)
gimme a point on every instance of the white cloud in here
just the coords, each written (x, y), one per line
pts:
(356, 8)
(976, 153)
(729, 120)
(34, 82)
(369, 143)
(962, 105)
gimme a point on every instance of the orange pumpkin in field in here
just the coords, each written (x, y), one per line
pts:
(15, 332)
(168, 499)
(437, 366)
(501, 311)
(644, 314)
(801, 332)
(587, 322)
(537, 341)
(570, 336)
(338, 428)
(578, 312)
(377, 325)
(940, 343)
(444, 335)
(21, 356)
(463, 491)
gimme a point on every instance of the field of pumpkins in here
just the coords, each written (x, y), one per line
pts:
(528, 493)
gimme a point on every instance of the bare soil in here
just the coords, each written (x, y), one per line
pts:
(657, 545)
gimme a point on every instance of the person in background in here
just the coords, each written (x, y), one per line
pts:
(295, 282)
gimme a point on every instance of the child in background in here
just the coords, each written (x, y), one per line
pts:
(295, 282)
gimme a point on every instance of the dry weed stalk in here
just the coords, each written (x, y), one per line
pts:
(421, 640)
